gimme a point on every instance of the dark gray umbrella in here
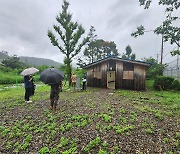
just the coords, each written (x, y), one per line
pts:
(51, 76)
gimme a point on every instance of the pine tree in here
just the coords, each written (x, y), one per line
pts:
(70, 34)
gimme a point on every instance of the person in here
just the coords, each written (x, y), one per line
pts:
(73, 79)
(84, 83)
(28, 87)
(54, 95)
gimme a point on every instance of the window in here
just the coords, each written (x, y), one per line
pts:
(128, 71)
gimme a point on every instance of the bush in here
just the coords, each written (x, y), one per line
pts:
(165, 83)
(176, 85)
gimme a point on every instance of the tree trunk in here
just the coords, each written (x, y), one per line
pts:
(69, 70)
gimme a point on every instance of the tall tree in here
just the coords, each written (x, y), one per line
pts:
(104, 49)
(109, 49)
(90, 50)
(70, 34)
(168, 29)
(129, 54)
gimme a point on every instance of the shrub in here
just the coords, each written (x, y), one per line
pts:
(163, 83)
(176, 85)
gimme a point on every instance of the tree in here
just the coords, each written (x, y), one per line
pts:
(70, 34)
(13, 62)
(109, 49)
(101, 49)
(129, 54)
(155, 69)
(167, 29)
(90, 50)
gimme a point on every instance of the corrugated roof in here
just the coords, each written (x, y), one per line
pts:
(119, 59)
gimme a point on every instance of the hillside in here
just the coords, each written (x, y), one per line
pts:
(33, 60)
(3, 56)
(39, 61)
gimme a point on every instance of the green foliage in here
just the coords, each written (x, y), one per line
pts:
(101, 151)
(123, 129)
(105, 117)
(70, 34)
(155, 69)
(176, 85)
(159, 115)
(178, 135)
(129, 54)
(97, 49)
(80, 72)
(12, 76)
(63, 142)
(44, 150)
(149, 131)
(165, 83)
(175, 52)
(92, 144)
(168, 28)
(13, 62)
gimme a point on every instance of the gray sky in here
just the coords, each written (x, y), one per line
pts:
(24, 25)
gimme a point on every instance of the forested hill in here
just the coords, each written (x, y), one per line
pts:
(3, 56)
(33, 60)
(39, 61)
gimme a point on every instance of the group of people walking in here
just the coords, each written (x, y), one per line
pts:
(55, 89)
(74, 81)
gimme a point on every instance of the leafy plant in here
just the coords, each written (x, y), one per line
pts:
(44, 150)
(92, 144)
(178, 135)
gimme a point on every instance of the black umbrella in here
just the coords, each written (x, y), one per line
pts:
(51, 76)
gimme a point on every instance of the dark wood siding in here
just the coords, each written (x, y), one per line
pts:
(119, 74)
(127, 82)
(104, 74)
(139, 77)
(90, 77)
(92, 80)
(127, 75)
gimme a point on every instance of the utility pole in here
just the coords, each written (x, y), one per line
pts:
(162, 48)
(157, 57)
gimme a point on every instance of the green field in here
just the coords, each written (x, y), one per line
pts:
(96, 121)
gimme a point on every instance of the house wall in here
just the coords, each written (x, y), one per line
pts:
(133, 79)
(119, 74)
(97, 75)
(139, 77)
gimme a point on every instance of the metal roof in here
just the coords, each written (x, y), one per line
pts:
(118, 59)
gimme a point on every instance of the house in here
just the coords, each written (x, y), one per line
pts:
(116, 73)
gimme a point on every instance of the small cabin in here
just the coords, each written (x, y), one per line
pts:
(117, 73)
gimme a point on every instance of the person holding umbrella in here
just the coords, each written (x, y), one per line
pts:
(53, 77)
(28, 82)
(54, 94)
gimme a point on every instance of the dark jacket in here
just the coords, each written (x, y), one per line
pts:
(27, 83)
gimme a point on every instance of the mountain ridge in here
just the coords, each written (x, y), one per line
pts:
(32, 60)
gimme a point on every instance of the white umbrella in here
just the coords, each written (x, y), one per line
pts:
(29, 71)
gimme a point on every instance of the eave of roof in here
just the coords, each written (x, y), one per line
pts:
(119, 59)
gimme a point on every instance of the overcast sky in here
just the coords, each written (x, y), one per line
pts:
(24, 25)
